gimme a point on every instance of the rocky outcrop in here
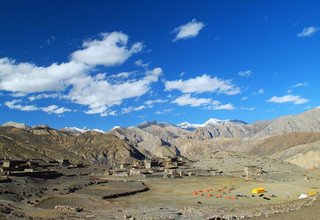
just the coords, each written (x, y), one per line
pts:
(68, 208)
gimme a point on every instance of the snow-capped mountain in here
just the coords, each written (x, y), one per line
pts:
(80, 130)
(210, 122)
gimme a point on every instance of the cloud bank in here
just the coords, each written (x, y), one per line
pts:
(76, 78)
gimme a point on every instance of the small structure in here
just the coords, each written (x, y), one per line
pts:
(170, 165)
(137, 164)
(149, 164)
(174, 174)
(258, 190)
(137, 171)
(252, 171)
(52, 163)
(13, 165)
(171, 159)
(124, 165)
(312, 193)
(303, 196)
(122, 173)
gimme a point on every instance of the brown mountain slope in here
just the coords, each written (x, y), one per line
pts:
(274, 144)
(305, 155)
(308, 121)
(46, 143)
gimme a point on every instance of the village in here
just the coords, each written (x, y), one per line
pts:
(60, 187)
(169, 167)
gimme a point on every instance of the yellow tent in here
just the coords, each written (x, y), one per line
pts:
(258, 190)
(312, 193)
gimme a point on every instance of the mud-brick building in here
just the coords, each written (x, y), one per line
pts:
(252, 171)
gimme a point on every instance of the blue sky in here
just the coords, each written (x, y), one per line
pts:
(105, 63)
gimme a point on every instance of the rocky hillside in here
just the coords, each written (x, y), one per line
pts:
(46, 143)
(152, 140)
(308, 121)
(271, 145)
(305, 155)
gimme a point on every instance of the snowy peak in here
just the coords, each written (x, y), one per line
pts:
(116, 127)
(215, 121)
(80, 130)
(16, 125)
(210, 122)
(148, 123)
(188, 126)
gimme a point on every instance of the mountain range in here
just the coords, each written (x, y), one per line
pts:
(288, 135)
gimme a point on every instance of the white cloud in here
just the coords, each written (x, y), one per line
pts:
(207, 102)
(164, 111)
(28, 78)
(261, 91)
(109, 51)
(248, 108)
(202, 84)
(18, 94)
(96, 94)
(304, 84)
(246, 73)
(308, 31)
(130, 109)
(244, 98)
(307, 107)
(15, 105)
(44, 96)
(147, 104)
(188, 30)
(50, 40)
(52, 109)
(287, 99)
(151, 102)
(123, 75)
(112, 113)
(141, 63)
(182, 74)
(222, 107)
(188, 100)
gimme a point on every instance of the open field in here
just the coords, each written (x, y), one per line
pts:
(173, 199)
(179, 191)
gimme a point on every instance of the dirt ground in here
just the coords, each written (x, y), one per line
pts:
(165, 199)
(173, 198)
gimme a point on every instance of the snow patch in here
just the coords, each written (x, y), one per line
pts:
(80, 130)
(210, 122)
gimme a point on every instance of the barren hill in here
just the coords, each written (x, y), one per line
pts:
(46, 143)
(305, 155)
(274, 144)
(308, 121)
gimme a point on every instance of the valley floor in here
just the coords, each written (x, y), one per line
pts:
(158, 198)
